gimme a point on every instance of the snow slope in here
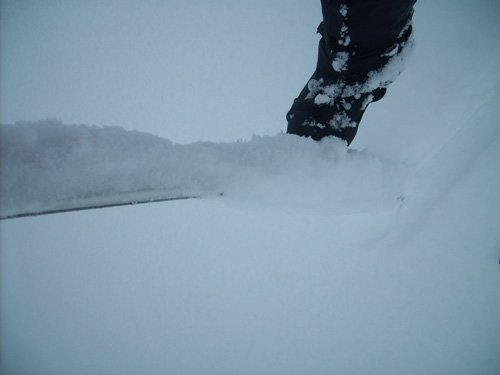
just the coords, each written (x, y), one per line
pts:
(379, 260)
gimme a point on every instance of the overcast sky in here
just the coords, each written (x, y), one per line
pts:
(186, 70)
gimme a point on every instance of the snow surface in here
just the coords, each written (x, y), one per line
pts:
(381, 259)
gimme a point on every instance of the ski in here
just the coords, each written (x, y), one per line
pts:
(98, 201)
(93, 206)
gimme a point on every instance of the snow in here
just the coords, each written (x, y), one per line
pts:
(339, 63)
(53, 166)
(382, 258)
(322, 99)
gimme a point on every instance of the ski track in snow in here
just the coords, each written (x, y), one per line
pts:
(454, 156)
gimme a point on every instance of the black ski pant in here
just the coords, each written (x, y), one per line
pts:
(361, 51)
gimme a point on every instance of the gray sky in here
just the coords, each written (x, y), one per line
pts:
(185, 70)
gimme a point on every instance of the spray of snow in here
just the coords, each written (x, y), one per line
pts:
(48, 165)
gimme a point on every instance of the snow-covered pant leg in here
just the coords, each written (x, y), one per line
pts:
(360, 53)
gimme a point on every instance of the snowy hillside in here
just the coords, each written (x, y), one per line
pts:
(380, 259)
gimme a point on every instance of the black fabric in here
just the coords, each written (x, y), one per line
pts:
(366, 33)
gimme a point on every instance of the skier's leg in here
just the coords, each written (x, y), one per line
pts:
(359, 39)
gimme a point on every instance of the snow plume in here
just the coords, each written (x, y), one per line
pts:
(47, 165)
